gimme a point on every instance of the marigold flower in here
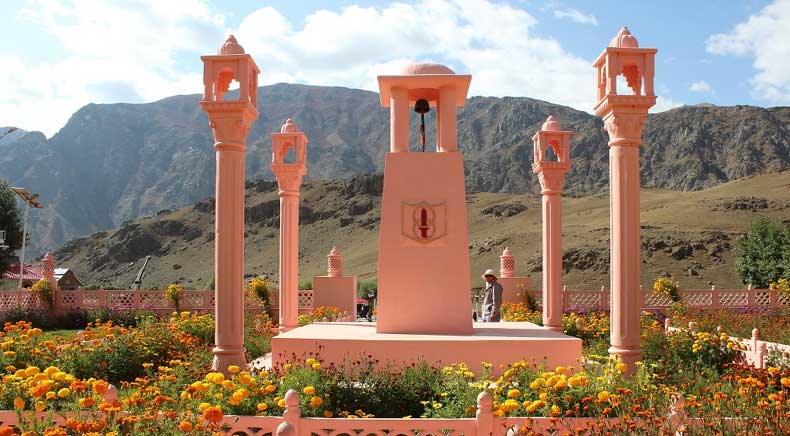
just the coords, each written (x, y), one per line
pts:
(513, 393)
(309, 390)
(185, 426)
(234, 369)
(64, 392)
(262, 406)
(19, 403)
(316, 402)
(281, 403)
(213, 414)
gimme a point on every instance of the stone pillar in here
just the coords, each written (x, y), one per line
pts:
(289, 179)
(334, 262)
(551, 174)
(624, 117)
(399, 120)
(507, 263)
(447, 121)
(230, 121)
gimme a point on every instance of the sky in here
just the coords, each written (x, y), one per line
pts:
(59, 55)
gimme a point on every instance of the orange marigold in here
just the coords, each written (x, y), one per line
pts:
(185, 426)
(213, 414)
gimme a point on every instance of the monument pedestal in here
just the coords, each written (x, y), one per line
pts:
(499, 343)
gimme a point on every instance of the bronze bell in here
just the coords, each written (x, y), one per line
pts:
(422, 107)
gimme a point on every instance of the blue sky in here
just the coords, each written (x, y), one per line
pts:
(59, 55)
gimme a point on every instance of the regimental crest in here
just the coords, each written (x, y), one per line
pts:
(424, 222)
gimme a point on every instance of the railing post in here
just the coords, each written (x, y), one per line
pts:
(292, 415)
(484, 418)
(758, 353)
(138, 301)
(604, 301)
(692, 327)
(677, 414)
(566, 299)
(773, 299)
(714, 297)
(750, 298)
(667, 325)
(102, 298)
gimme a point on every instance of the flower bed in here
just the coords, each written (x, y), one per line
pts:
(773, 324)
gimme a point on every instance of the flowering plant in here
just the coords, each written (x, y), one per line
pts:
(666, 286)
(174, 292)
(781, 285)
(43, 289)
(258, 289)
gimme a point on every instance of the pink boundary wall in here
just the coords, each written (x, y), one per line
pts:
(291, 423)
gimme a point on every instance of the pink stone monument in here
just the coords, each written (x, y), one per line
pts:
(423, 211)
(514, 288)
(230, 121)
(335, 289)
(551, 162)
(624, 116)
(424, 305)
(289, 179)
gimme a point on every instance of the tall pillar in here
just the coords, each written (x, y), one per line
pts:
(230, 121)
(624, 116)
(447, 120)
(289, 179)
(552, 161)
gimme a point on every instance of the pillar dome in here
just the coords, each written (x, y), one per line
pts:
(624, 39)
(425, 68)
(230, 47)
(289, 127)
(551, 124)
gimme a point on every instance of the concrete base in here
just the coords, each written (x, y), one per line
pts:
(497, 343)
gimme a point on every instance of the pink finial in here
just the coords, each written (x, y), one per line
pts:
(289, 127)
(506, 252)
(551, 124)
(334, 252)
(624, 39)
(230, 47)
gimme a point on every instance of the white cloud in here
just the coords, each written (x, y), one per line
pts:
(701, 86)
(131, 50)
(351, 46)
(113, 51)
(576, 15)
(765, 37)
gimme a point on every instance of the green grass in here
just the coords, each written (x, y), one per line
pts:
(65, 334)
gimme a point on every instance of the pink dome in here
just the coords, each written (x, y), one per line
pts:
(289, 127)
(425, 68)
(551, 124)
(624, 39)
(230, 47)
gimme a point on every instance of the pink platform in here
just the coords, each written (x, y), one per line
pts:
(496, 343)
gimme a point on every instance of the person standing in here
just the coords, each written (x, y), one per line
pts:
(492, 299)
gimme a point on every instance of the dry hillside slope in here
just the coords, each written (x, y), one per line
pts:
(690, 235)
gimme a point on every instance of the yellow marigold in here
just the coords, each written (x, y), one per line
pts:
(603, 396)
(64, 392)
(621, 366)
(774, 371)
(281, 403)
(51, 395)
(513, 393)
(785, 382)
(262, 406)
(185, 426)
(309, 390)
(316, 366)
(233, 369)
(40, 406)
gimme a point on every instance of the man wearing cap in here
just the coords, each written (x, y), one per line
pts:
(492, 300)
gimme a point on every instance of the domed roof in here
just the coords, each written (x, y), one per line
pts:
(551, 124)
(624, 39)
(289, 127)
(425, 68)
(230, 47)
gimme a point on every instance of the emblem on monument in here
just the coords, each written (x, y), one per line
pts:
(423, 222)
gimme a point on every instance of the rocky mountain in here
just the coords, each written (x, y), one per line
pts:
(689, 235)
(116, 162)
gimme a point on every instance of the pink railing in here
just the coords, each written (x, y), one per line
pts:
(581, 300)
(483, 424)
(153, 300)
(756, 351)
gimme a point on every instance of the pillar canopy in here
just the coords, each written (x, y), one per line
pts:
(230, 119)
(637, 65)
(551, 173)
(289, 174)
